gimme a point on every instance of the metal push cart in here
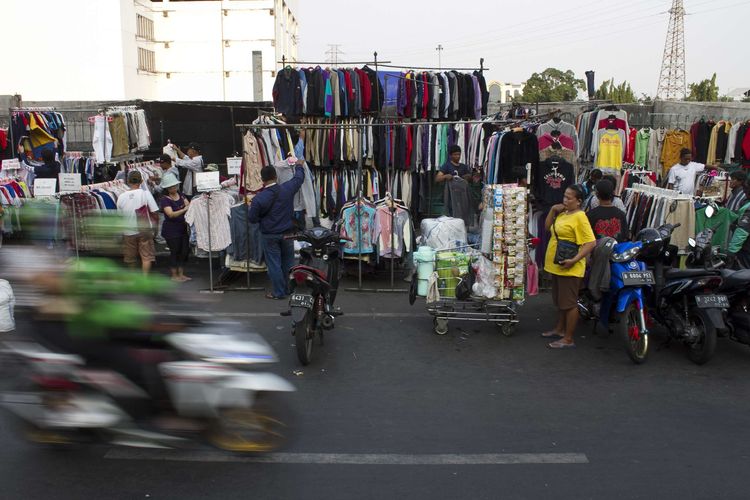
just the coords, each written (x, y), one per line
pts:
(502, 313)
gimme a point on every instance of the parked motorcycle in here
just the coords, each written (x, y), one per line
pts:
(622, 307)
(685, 301)
(172, 390)
(735, 285)
(314, 284)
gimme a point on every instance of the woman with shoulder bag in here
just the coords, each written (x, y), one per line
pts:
(175, 229)
(572, 240)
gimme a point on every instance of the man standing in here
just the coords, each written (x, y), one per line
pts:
(190, 163)
(51, 167)
(273, 208)
(737, 198)
(682, 175)
(138, 237)
(453, 167)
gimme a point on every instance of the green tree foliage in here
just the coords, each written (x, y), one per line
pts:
(552, 85)
(704, 91)
(620, 94)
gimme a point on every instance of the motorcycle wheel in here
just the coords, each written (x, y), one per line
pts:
(259, 429)
(702, 350)
(303, 336)
(629, 329)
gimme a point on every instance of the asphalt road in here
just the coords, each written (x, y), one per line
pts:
(389, 410)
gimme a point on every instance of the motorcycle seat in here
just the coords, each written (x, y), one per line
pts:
(320, 274)
(735, 279)
(689, 273)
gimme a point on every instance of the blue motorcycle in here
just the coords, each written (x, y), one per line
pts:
(621, 308)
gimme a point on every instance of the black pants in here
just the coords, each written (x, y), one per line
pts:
(179, 249)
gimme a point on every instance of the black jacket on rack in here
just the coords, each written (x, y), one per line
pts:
(483, 90)
(702, 135)
(516, 150)
(550, 180)
(286, 93)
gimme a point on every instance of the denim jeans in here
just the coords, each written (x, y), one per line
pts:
(279, 255)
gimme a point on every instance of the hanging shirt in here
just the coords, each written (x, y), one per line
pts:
(198, 214)
(610, 149)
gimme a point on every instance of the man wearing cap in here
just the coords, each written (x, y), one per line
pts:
(191, 163)
(138, 237)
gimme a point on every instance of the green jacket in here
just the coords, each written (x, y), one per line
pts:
(740, 237)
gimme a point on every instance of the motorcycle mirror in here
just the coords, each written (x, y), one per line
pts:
(691, 242)
(709, 211)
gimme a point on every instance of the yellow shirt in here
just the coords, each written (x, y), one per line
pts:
(610, 150)
(571, 227)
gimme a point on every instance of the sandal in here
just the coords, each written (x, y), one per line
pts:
(559, 344)
(552, 335)
(273, 297)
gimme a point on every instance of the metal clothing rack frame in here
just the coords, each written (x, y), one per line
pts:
(207, 195)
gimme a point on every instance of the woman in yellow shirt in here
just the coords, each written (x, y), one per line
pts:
(570, 224)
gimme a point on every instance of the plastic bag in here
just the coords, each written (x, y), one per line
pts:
(484, 285)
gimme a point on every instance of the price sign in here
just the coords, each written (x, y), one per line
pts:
(233, 165)
(13, 164)
(45, 187)
(207, 181)
(70, 183)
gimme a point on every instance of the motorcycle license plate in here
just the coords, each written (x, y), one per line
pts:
(637, 278)
(712, 301)
(301, 300)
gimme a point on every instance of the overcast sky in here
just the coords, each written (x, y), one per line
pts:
(624, 40)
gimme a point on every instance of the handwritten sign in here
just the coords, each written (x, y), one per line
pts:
(45, 187)
(13, 164)
(207, 181)
(233, 165)
(70, 183)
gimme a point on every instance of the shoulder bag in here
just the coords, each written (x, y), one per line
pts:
(566, 249)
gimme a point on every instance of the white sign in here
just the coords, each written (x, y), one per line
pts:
(207, 181)
(70, 183)
(45, 187)
(13, 164)
(233, 165)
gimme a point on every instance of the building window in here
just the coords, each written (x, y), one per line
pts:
(146, 60)
(144, 28)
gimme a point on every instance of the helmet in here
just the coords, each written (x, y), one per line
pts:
(652, 241)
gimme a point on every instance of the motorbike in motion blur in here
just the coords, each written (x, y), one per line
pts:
(108, 369)
(314, 284)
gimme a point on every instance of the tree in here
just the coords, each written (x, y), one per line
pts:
(619, 94)
(704, 91)
(552, 85)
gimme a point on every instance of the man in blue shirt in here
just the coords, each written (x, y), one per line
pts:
(453, 167)
(273, 208)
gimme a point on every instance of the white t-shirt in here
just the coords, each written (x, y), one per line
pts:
(129, 202)
(682, 177)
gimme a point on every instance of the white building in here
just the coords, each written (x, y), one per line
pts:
(170, 50)
(502, 93)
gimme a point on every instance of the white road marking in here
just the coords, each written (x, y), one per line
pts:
(349, 458)
(278, 315)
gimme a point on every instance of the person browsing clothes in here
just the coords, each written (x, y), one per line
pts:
(189, 163)
(138, 238)
(273, 209)
(175, 229)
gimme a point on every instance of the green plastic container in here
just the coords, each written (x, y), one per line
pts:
(450, 266)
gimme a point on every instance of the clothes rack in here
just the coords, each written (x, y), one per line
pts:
(211, 289)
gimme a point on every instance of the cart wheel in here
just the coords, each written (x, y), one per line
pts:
(507, 329)
(440, 326)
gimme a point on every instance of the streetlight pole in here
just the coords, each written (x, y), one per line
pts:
(440, 53)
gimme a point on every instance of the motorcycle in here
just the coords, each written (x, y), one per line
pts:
(622, 307)
(684, 301)
(168, 391)
(735, 285)
(314, 284)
